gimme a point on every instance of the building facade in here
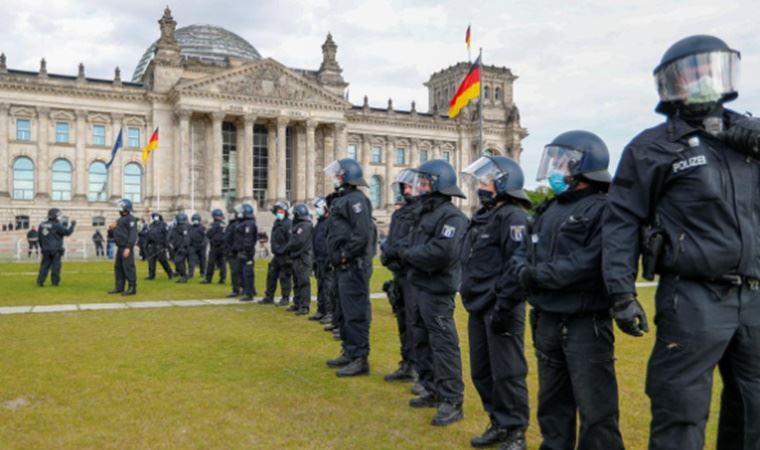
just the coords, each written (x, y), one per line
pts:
(233, 127)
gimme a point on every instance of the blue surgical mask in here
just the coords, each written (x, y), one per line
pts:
(320, 212)
(280, 216)
(557, 182)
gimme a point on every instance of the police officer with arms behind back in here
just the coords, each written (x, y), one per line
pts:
(198, 244)
(157, 242)
(496, 329)
(246, 236)
(694, 182)
(125, 238)
(216, 253)
(51, 234)
(279, 266)
(322, 270)
(299, 250)
(179, 242)
(350, 242)
(432, 255)
(560, 266)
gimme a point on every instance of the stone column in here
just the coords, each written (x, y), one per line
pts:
(273, 175)
(366, 151)
(414, 153)
(5, 187)
(436, 150)
(216, 156)
(341, 146)
(245, 160)
(299, 166)
(117, 167)
(281, 171)
(43, 164)
(386, 188)
(182, 170)
(80, 163)
(311, 159)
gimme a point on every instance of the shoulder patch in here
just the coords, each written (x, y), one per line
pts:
(299, 231)
(132, 223)
(448, 231)
(516, 232)
(357, 207)
(247, 229)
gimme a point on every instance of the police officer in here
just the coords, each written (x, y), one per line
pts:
(299, 251)
(142, 239)
(349, 243)
(322, 269)
(197, 255)
(246, 237)
(279, 266)
(401, 224)
(97, 240)
(125, 238)
(231, 254)
(432, 255)
(215, 237)
(560, 267)
(496, 329)
(179, 242)
(51, 234)
(157, 241)
(693, 181)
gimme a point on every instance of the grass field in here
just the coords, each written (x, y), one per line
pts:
(247, 376)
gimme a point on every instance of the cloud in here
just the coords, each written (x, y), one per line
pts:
(584, 64)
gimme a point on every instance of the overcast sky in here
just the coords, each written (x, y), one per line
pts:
(583, 64)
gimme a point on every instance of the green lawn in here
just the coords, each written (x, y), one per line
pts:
(248, 376)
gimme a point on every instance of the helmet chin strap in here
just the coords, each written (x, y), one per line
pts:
(706, 116)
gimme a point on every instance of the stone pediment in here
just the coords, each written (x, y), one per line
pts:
(266, 80)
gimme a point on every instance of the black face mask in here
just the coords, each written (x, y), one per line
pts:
(408, 198)
(486, 198)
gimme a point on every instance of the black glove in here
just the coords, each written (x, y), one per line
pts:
(500, 320)
(527, 277)
(744, 136)
(73, 223)
(629, 315)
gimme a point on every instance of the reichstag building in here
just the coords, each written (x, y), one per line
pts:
(233, 127)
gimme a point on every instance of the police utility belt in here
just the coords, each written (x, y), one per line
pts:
(729, 279)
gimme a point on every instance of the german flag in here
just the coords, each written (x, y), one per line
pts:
(152, 145)
(468, 37)
(468, 90)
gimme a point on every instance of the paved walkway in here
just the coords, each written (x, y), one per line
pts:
(160, 304)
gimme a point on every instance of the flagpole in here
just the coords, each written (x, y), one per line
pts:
(157, 159)
(480, 99)
(192, 171)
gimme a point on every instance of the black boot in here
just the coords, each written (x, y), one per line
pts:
(447, 414)
(246, 298)
(340, 361)
(116, 291)
(318, 315)
(205, 282)
(130, 291)
(418, 389)
(515, 441)
(182, 280)
(331, 327)
(424, 401)
(359, 366)
(302, 312)
(284, 301)
(233, 294)
(492, 437)
(150, 277)
(292, 308)
(326, 319)
(403, 373)
(266, 301)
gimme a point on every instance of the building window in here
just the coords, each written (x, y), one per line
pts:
(400, 156)
(423, 156)
(62, 132)
(289, 144)
(486, 93)
(61, 180)
(23, 179)
(98, 135)
(133, 182)
(377, 154)
(497, 94)
(98, 221)
(488, 152)
(22, 223)
(98, 182)
(375, 191)
(446, 156)
(351, 153)
(260, 164)
(133, 137)
(229, 162)
(23, 130)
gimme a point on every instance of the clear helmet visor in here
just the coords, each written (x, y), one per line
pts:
(422, 184)
(482, 171)
(700, 78)
(334, 170)
(557, 159)
(404, 178)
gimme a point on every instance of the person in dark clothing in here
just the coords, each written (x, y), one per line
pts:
(109, 243)
(142, 239)
(333, 325)
(217, 248)
(299, 250)
(231, 255)
(432, 254)
(157, 245)
(496, 329)
(322, 270)
(51, 234)
(559, 266)
(279, 266)
(97, 240)
(246, 236)
(350, 242)
(179, 243)
(125, 239)
(402, 221)
(197, 250)
(33, 240)
(686, 198)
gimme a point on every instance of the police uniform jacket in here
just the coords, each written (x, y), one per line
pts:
(52, 233)
(125, 233)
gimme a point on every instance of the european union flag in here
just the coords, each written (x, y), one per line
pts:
(116, 146)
